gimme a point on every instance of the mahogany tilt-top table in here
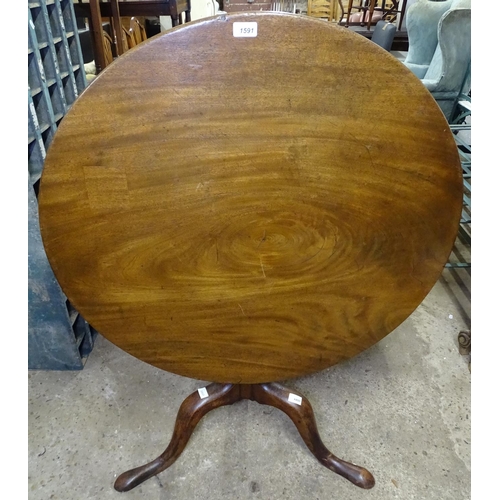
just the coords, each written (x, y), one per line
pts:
(246, 199)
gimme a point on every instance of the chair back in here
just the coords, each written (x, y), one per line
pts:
(383, 34)
(439, 52)
(137, 31)
(422, 21)
(323, 9)
(108, 48)
(128, 38)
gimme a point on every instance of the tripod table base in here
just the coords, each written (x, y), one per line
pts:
(294, 404)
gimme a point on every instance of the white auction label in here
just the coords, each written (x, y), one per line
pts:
(245, 29)
(293, 398)
(203, 393)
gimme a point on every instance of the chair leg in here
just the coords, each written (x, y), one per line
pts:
(370, 16)
(349, 8)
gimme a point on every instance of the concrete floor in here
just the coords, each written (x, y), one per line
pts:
(401, 409)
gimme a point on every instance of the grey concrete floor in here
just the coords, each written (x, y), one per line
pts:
(400, 409)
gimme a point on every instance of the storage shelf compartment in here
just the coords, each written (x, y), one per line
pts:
(55, 80)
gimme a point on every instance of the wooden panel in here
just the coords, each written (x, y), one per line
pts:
(243, 6)
(138, 7)
(254, 217)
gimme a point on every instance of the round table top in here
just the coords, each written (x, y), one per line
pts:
(250, 202)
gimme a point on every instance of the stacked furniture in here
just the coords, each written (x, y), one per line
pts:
(439, 52)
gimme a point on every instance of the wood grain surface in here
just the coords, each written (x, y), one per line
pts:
(250, 209)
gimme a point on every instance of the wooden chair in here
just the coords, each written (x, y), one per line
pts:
(322, 9)
(137, 31)
(128, 38)
(366, 9)
(108, 48)
(133, 33)
(95, 10)
(372, 11)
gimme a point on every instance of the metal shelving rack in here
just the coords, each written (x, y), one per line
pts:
(460, 125)
(56, 73)
(58, 337)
